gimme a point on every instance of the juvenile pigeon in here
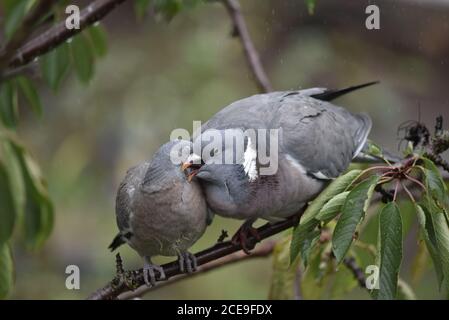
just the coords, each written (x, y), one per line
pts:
(316, 143)
(159, 212)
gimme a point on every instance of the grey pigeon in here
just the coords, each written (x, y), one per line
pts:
(159, 212)
(317, 142)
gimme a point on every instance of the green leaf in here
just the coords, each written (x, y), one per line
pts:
(332, 208)
(83, 58)
(141, 8)
(353, 211)
(303, 240)
(435, 184)
(55, 65)
(15, 16)
(336, 187)
(283, 275)
(390, 251)
(425, 219)
(97, 36)
(15, 177)
(29, 91)
(311, 6)
(442, 240)
(6, 270)
(38, 218)
(7, 209)
(168, 8)
(9, 111)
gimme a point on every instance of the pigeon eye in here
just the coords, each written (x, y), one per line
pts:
(212, 152)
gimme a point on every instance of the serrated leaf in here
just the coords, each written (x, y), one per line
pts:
(332, 208)
(304, 238)
(97, 36)
(442, 240)
(55, 65)
(283, 275)
(435, 184)
(83, 58)
(336, 187)
(6, 270)
(141, 8)
(29, 91)
(390, 251)
(425, 220)
(9, 111)
(353, 211)
(7, 209)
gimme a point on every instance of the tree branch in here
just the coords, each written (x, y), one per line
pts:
(265, 249)
(358, 273)
(57, 34)
(131, 280)
(23, 32)
(241, 30)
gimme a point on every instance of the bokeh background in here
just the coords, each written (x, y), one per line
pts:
(158, 76)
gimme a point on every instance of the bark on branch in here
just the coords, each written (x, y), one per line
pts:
(57, 34)
(23, 32)
(263, 250)
(131, 280)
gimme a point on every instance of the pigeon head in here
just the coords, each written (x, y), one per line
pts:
(222, 154)
(165, 165)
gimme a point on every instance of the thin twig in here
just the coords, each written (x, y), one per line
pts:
(59, 33)
(358, 273)
(262, 251)
(241, 30)
(131, 280)
(408, 192)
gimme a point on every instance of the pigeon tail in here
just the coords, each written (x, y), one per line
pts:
(331, 94)
(117, 242)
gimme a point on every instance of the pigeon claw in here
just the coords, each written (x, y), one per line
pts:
(149, 274)
(187, 262)
(241, 237)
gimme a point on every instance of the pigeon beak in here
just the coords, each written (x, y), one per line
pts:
(186, 165)
(189, 169)
(190, 176)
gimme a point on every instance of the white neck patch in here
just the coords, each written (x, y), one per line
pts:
(249, 161)
(193, 158)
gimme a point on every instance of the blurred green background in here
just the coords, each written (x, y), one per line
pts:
(158, 76)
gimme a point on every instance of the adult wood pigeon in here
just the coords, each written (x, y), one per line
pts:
(159, 212)
(317, 141)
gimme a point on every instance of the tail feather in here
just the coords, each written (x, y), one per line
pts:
(117, 242)
(331, 94)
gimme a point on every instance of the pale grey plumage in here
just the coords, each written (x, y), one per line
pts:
(317, 141)
(158, 211)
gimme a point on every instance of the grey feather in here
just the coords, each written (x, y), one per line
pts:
(164, 213)
(317, 142)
